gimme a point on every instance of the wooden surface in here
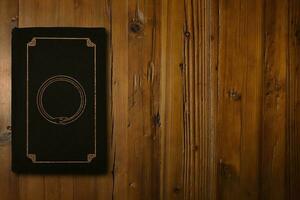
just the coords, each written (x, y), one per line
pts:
(239, 98)
(293, 102)
(203, 99)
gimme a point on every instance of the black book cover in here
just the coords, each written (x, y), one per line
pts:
(59, 100)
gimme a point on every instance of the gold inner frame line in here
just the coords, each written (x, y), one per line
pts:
(33, 43)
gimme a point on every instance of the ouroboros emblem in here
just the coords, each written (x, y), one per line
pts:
(61, 120)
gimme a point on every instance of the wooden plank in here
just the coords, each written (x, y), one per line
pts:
(293, 105)
(33, 13)
(213, 20)
(274, 100)
(119, 86)
(172, 100)
(58, 187)
(188, 160)
(52, 188)
(239, 98)
(8, 19)
(31, 187)
(163, 88)
(143, 94)
(198, 54)
(198, 137)
(66, 185)
(67, 13)
(85, 188)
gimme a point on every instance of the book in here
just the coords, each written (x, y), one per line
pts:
(59, 116)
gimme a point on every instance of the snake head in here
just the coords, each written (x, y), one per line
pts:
(61, 120)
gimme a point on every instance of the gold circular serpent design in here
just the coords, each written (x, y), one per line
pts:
(62, 120)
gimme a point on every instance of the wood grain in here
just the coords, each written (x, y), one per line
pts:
(274, 100)
(293, 103)
(188, 144)
(203, 99)
(8, 181)
(119, 78)
(65, 13)
(213, 39)
(197, 105)
(172, 95)
(239, 98)
(143, 95)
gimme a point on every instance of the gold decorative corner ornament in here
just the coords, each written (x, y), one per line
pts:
(89, 43)
(32, 43)
(32, 157)
(90, 157)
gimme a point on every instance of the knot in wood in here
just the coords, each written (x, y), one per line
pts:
(156, 119)
(187, 34)
(234, 95)
(176, 190)
(182, 66)
(195, 147)
(227, 171)
(132, 185)
(5, 137)
(136, 26)
(15, 18)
